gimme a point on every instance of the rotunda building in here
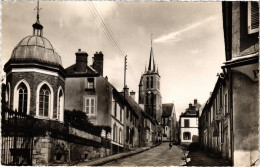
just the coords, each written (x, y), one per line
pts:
(35, 78)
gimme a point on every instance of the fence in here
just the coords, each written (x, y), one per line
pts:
(16, 138)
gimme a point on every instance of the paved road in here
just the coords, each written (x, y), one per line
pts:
(157, 156)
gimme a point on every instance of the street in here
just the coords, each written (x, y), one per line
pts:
(157, 156)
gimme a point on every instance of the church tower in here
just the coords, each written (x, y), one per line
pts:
(149, 89)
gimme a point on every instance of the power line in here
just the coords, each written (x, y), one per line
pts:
(102, 28)
(109, 32)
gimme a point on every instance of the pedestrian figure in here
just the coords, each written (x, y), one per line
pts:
(170, 145)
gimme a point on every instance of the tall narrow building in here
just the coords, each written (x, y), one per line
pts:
(149, 90)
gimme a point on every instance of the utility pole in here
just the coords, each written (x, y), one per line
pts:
(125, 76)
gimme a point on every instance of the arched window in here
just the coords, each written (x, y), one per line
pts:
(22, 98)
(44, 101)
(60, 105)
(186, 136)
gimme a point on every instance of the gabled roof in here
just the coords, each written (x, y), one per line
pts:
(71, 72)
(131, 102)
(167, 109)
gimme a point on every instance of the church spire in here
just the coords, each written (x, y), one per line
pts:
(37, 27)
(151, 60)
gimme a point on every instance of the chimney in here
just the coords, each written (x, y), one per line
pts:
(195, 101)
(98, 62)
(126, 90)
(132, 94)
(81, 61)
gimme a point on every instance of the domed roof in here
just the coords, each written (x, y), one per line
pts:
(36, 47)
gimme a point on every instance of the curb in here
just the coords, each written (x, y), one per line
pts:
(111, 158)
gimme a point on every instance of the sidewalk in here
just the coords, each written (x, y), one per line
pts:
(202, 158)
(105, 160)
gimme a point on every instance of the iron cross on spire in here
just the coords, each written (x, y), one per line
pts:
(38, 10)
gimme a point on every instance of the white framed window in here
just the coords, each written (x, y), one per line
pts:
(115, 133)
(60, 105)
(44, 100)
(90, 105)
(90, 83)
(21, 97)
(186, 123)
(120, 136)
(253, 17)
(186, 136)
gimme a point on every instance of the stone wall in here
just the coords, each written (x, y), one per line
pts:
(50, 151)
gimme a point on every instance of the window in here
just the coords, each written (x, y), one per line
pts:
(127, 133)
(225, 104)
(151, 82)
(22, 98)
(7, 95)
(44, 101)
(147, 98)
(60, 104)
(253, 17)
(120, 136)
(115, 108)
(131, 117)
(90, 83)
(120, 114)
(221, 97)
(127, 113)
(186, 123)
(147, 82)
(158, 85)
(90, 105)
(211, 114)
(186, 136)
(114, 133)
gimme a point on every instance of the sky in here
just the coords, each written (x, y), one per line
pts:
(188, 42)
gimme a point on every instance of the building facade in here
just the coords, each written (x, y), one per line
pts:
(215, 120)
(149, 94)
(169, 122)
(230, 120)
(189, 124)
(241, 31)
(35, 78)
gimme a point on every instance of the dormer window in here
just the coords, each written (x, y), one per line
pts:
(90, 83)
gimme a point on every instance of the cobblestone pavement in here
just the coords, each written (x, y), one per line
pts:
(157, 156)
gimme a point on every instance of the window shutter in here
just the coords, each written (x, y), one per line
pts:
(253, 17)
